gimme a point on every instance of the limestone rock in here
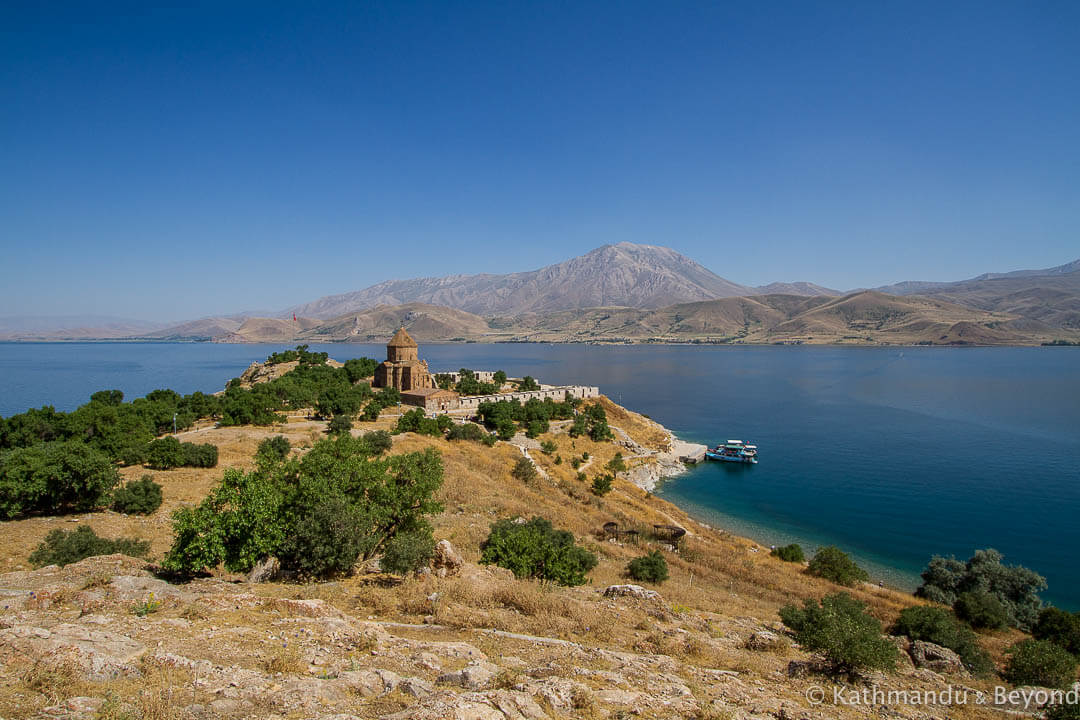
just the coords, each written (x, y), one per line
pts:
(447, 561)
(764, 640)
(474, 676)
(632, 591)
(99, 654)
(266, 570)
(903, 644)
(936, 658)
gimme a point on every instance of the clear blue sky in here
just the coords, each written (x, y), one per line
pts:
(170, 164)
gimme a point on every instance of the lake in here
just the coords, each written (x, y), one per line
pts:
(894, 454)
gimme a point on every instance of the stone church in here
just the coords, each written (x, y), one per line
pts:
(403, 368)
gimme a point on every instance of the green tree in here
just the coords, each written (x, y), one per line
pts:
(524, 470)
(408, 552)
(528, 383)
(981, 610)
(164, 454)
(648, 568)
(835, 565)
(841, 629)
(1040, 662)
(339, 425)
(939, 626)
(54, 478)
(789, 553)
(138, 497)
(63, 548)
(601, 484)
(1015, 587)
(617, 464)
(273, 449)
(535, 549)
(500, 378)
(1059, 627)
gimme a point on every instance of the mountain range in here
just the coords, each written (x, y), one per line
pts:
(643, 293)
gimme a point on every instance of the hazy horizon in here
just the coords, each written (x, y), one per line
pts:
(169, 164)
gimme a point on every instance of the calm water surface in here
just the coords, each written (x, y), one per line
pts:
(893, 454)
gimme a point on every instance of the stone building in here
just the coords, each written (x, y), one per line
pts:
(432, 399)
(403, 368)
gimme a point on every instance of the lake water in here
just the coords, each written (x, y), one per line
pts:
(894, 454)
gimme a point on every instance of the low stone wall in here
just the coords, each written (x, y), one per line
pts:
(557, 393)
(486, 376)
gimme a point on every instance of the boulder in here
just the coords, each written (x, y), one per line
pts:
(631, 591)
(266, 570)
(764, 640)
(474, 676)
(934, 657)
(447, 561)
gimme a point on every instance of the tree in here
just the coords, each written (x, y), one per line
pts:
(500, 378)
(524, 470)
(1014, 586)
(528, 383)
(617, 464)
(138, 497)
(601, 484)
(835, 565)
(63, 548)
(1040, 662)
(1059, 627)
(981, 610)
(339, 425)
(648, 568)
(164, 454)
(536, 549)
(841, 629)
(789, 553)
(939, 626)
(408, 552)
(54, 477)
(359, 368)
(273, 449)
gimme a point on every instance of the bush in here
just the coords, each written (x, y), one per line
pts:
(408, 552)
(648, 568)
(339, 425)
(939, 626)
(164, 454)
(601, 485)
(467, 431)
(981, 610)
(789, 553)
(617, 464)
(274, 449)
(376, 442)
(548, 447)
(202, 456)
(524, 470)
(54, 477)
(841, 629)
(138, 497)
(535, 549)
(832, 563)
(63, 548)
(1014, 586)
(1065, 711)
(1059, 627)
(1039, 662)
(340, 502)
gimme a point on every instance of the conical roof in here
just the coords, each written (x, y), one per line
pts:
(401, 339)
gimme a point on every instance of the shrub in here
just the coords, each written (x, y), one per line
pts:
(548, 447)
(376, 442)
(524, 470)
(1014, 586)
(408, 552)
(981, 610)
(339, 425)
(1065, 711)
(54, 477)
(1039, 662)
(832, 563)
(939, 626)
(505, 428)
(138, 497)
(648, 568)
(535, 549)
(601, 485)
(164, 454)
(789, 553)
(62, 548)
(841, 629)
(202, 456)
(617, 464)
(1059, 627)
(467, 431)
(325, 536)
(274, 449)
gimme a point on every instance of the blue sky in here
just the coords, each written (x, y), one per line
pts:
(167, 164)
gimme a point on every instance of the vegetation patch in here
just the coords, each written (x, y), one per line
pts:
(138, 497)
(62, 547)
(840, 628)
(1014, 587)
(832, 563)
(535, 549)
(648, 568)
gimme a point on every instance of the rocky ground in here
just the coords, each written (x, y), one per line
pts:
(109, 638)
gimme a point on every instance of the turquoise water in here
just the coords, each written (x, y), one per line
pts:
(893, 454)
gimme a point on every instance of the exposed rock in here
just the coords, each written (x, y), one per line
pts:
(934, 657)
(75, 708)
(266, 570)
(903, 644)
(496, 705)
(474, 676)
(99, 654)
(447, 561)
(632, 591)
(764, 640)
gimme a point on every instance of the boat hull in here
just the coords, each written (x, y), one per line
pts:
(731, 458)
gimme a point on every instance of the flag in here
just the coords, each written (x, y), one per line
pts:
(294, 317)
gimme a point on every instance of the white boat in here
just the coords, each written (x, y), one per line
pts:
(733, 451)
